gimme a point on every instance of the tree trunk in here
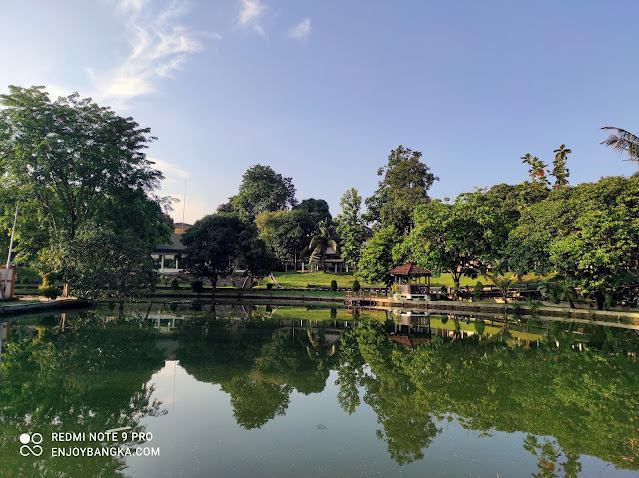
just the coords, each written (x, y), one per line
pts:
(599, 298)
(66, 288)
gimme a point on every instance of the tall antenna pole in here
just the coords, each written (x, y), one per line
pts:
(6, 271)
(184, 205)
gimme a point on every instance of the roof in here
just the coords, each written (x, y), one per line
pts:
(174, 246)
(409, 269)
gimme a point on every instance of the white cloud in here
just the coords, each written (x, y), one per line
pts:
(195, 208)
(301, 31)
(159, 47)
(251, 12)
(172, 173)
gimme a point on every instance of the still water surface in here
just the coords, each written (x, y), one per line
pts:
(258, 391)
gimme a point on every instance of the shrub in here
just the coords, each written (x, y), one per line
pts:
(49, 291)
(333, 313)
(355, 287)
(478, 291)
(269, 286)
(334, 285)
(174, 284)
(197, 286)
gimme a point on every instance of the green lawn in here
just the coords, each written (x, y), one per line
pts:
(345, 280)
(302, 279)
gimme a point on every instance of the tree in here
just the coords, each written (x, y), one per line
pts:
(324, 237)
(623, 141)
(447, 237)
(70, 163)
(218, 242)
(286, 233)
(559, 171)
(317, 209)
(587, 234)
(263, 189)
(377, 256)
(405, 185)
(351, 228)
(536, 170)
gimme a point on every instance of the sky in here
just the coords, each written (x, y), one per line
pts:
(322, 91)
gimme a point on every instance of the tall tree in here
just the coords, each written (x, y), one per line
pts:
(350, 227)
(263, 189)
(405, 184)
(218, 242)
(623, 141)
(559, 170)
(316, 208)
(68, 162)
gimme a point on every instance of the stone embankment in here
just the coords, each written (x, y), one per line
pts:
(20, 307)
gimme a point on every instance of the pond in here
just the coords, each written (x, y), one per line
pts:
(200, 390)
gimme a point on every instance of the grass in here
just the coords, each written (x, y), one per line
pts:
(321, 279)
(345, 280)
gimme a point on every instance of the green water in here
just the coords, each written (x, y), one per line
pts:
(261, 391)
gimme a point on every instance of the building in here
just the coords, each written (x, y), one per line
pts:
(168, 256)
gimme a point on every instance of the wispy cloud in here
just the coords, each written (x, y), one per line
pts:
(251, 14)
(159, 46)
(301, 31)
(172, 173)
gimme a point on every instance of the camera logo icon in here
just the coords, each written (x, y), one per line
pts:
(35, 439)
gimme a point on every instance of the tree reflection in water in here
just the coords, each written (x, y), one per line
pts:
(82, 374)
(569, 401)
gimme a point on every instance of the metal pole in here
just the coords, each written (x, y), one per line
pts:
(6, 271)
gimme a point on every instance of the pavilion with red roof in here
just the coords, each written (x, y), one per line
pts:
(405, 275)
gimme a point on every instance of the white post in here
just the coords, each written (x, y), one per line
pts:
(6, 271)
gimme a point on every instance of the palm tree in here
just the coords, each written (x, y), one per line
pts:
(324, 237)
(623, 141)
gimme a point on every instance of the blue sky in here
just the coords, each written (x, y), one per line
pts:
(322, 91)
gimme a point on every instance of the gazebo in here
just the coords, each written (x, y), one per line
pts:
(404, 276)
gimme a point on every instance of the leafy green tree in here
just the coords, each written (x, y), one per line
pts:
(377, 256)
(536, 170)
(351, 228)
(447, 237)
(317, 209)
(623, 141)
(100, 262)
(263, 189)
(217, 243)
(587, 234)
(286, 233)
(324, 237)
(80, 373)
(559, 170)
(405, 185)
(74, 165)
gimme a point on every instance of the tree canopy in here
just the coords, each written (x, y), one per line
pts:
(263, 189)
(351, 228)
(219, 242)
(405, 184)
(317, 209)
(74, 165)
(377, 256)
(587, 234)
